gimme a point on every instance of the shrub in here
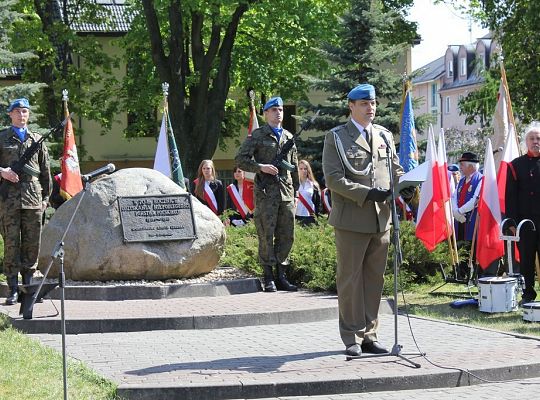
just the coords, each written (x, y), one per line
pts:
(313, 256)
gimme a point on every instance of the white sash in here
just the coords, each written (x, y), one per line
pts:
(210, 196)
(238, 200)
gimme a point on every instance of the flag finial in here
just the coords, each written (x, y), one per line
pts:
(165, 88)
(65, 95)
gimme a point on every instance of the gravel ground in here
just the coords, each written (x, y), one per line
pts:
(224, 273)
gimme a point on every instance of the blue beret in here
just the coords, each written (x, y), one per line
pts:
(18, 103)
(453, 168)
(273, 102)
(364, 91)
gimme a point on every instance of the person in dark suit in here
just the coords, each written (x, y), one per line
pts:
(208, 189)
(355, 170)
(522, 202)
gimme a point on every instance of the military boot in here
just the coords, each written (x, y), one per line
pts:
(269, 285)
(282, 283)
(13, 290)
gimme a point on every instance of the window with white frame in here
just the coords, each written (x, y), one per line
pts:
(463, 66)
(481, 61)
(434, 94)
(447, 105)
(450, 69)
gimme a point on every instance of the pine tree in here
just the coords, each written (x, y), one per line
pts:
(372, 39)
(11, 62)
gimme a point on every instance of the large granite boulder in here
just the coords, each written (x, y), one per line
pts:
(95, 248)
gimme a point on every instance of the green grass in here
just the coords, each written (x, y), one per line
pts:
(31, 371)
(421, 303)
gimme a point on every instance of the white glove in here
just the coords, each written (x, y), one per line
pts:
(459, 217)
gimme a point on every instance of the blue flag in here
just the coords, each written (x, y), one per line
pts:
(408, 151)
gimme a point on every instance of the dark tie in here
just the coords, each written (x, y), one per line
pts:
(368, 137)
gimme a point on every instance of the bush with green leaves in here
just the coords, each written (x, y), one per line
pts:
(313, 256)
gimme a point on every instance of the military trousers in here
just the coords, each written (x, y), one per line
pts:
(21, 231)
(361, 261)
(274, 221)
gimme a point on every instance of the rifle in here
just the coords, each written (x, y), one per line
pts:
(21, 165)
(279, 161)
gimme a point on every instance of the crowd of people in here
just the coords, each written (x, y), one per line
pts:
(359, 161)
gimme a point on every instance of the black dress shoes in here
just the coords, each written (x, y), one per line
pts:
(374, 348)
(353, 350)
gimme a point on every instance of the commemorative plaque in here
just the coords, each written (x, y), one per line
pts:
(157, 218)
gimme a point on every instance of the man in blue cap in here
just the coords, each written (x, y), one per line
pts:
(275, 190)
(356, 172)
(25, 198)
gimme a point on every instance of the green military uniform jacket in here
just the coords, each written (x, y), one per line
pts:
(31, 191)
(351, 168)
(261, 148)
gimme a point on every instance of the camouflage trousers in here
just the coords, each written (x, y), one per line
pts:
(21, 230)
(274, 220)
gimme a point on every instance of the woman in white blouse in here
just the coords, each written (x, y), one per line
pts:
(309, 195)
(208, 189)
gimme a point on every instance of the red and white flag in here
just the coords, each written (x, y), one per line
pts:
(510, 152)
(432, 223)
(500, 123)
(70, 183)
(489, 246)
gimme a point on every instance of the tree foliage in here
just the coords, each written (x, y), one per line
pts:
(210, 52)
(373, 36)
(12, 59)
(66, 59)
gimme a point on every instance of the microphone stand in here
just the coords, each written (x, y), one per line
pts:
(58, 253)
(398, 259)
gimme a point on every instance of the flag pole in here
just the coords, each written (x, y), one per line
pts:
(509, 110)
(165, 90)
(177, 175)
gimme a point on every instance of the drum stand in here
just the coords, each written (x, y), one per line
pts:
(398, 258)
(509, 239)
(58, 253)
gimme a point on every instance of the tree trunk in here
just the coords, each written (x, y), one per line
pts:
(196, 112)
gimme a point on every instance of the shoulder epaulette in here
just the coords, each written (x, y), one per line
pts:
(338, 128)
(381, 128)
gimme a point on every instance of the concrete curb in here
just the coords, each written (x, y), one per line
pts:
(331, 386)
(154, 292)
(75, 327)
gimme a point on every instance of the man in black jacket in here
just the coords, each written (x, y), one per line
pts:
(523, 202)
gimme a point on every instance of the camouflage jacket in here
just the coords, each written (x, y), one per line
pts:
(30, 191)
(261, 148)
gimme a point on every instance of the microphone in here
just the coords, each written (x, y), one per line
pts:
(107, 169)
(385, 139)
(498, 150)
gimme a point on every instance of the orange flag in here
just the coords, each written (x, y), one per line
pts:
(70, 183)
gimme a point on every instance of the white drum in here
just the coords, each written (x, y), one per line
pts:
(531, 311)
(497, 294)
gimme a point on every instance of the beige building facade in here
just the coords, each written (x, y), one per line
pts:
(441, 84)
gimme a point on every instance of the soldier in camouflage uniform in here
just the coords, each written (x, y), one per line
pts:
(25, 198)
(275, 189)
